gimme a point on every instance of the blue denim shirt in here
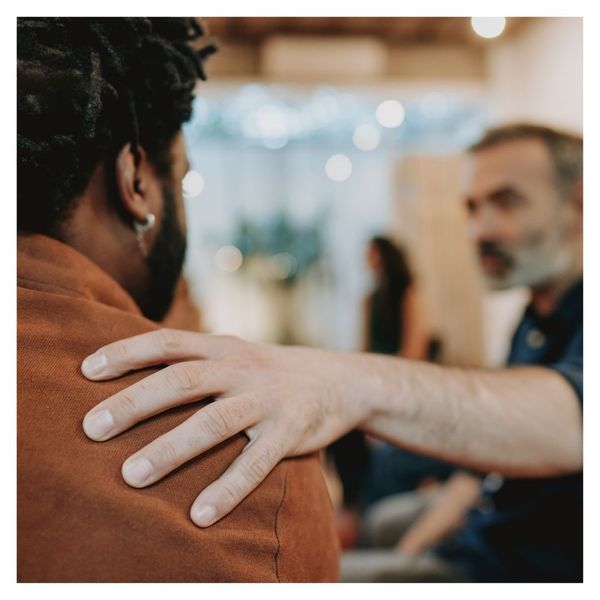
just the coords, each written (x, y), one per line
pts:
(531, 529)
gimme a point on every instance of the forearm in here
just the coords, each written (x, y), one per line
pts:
(445, 515)
(523, 421)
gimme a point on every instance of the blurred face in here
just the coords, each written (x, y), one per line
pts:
(517, 219)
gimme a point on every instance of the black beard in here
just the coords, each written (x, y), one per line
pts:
(165, 262)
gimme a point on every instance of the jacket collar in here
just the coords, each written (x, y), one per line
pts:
(47, 264)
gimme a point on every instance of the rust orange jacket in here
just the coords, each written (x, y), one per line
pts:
(77, 519)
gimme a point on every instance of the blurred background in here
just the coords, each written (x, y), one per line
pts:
(312, 135)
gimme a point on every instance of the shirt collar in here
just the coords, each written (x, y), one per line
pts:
(569, 310)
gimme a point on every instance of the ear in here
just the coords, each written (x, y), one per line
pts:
(131, 184)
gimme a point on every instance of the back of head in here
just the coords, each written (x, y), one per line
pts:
(394, 265)
(87, 86)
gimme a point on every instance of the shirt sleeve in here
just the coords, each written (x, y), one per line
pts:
(570, 364)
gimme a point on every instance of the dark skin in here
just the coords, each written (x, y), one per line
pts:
(99, 231)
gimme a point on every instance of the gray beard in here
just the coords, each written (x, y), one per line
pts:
(534, 273)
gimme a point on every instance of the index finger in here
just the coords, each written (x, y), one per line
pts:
(176, 385)
(153, 348)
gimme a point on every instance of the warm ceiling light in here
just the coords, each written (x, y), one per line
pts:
(488, 27)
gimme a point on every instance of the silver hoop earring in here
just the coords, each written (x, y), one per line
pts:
(146, 225)
(140, 229)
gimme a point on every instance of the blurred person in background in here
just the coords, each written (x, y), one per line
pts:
(394, 323)
(519, 428)
(100, 248)
(394, 320)
(405, 501)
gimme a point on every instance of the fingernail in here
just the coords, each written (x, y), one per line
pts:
(137, 471)
(93, 365)
(205, 515)
(98, 425)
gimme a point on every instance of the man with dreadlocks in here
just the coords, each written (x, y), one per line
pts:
(101, 243)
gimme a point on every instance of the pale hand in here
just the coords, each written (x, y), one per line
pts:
(288, 400)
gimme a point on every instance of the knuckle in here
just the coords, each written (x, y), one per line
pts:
(247, 359)
(168, 340)
(182, 378)
(257, 468)
(128, 405)
(248, 404)
(120, 352)
(218, 421)
(168, 453)
(231, 344)
(230, 493)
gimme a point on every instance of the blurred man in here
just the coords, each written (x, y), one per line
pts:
(101, 244)
(525, 202)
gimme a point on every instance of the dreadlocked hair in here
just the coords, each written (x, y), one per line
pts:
(88, 86)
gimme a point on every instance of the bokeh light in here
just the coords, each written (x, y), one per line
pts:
(282, 266)
(229, 259)
(272, 126)
(338, 167)
(390, 113)
(366, 137)
(193, 184)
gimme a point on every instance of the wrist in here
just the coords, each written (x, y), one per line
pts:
(348, 378)
(369, 384)
(384, 381)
